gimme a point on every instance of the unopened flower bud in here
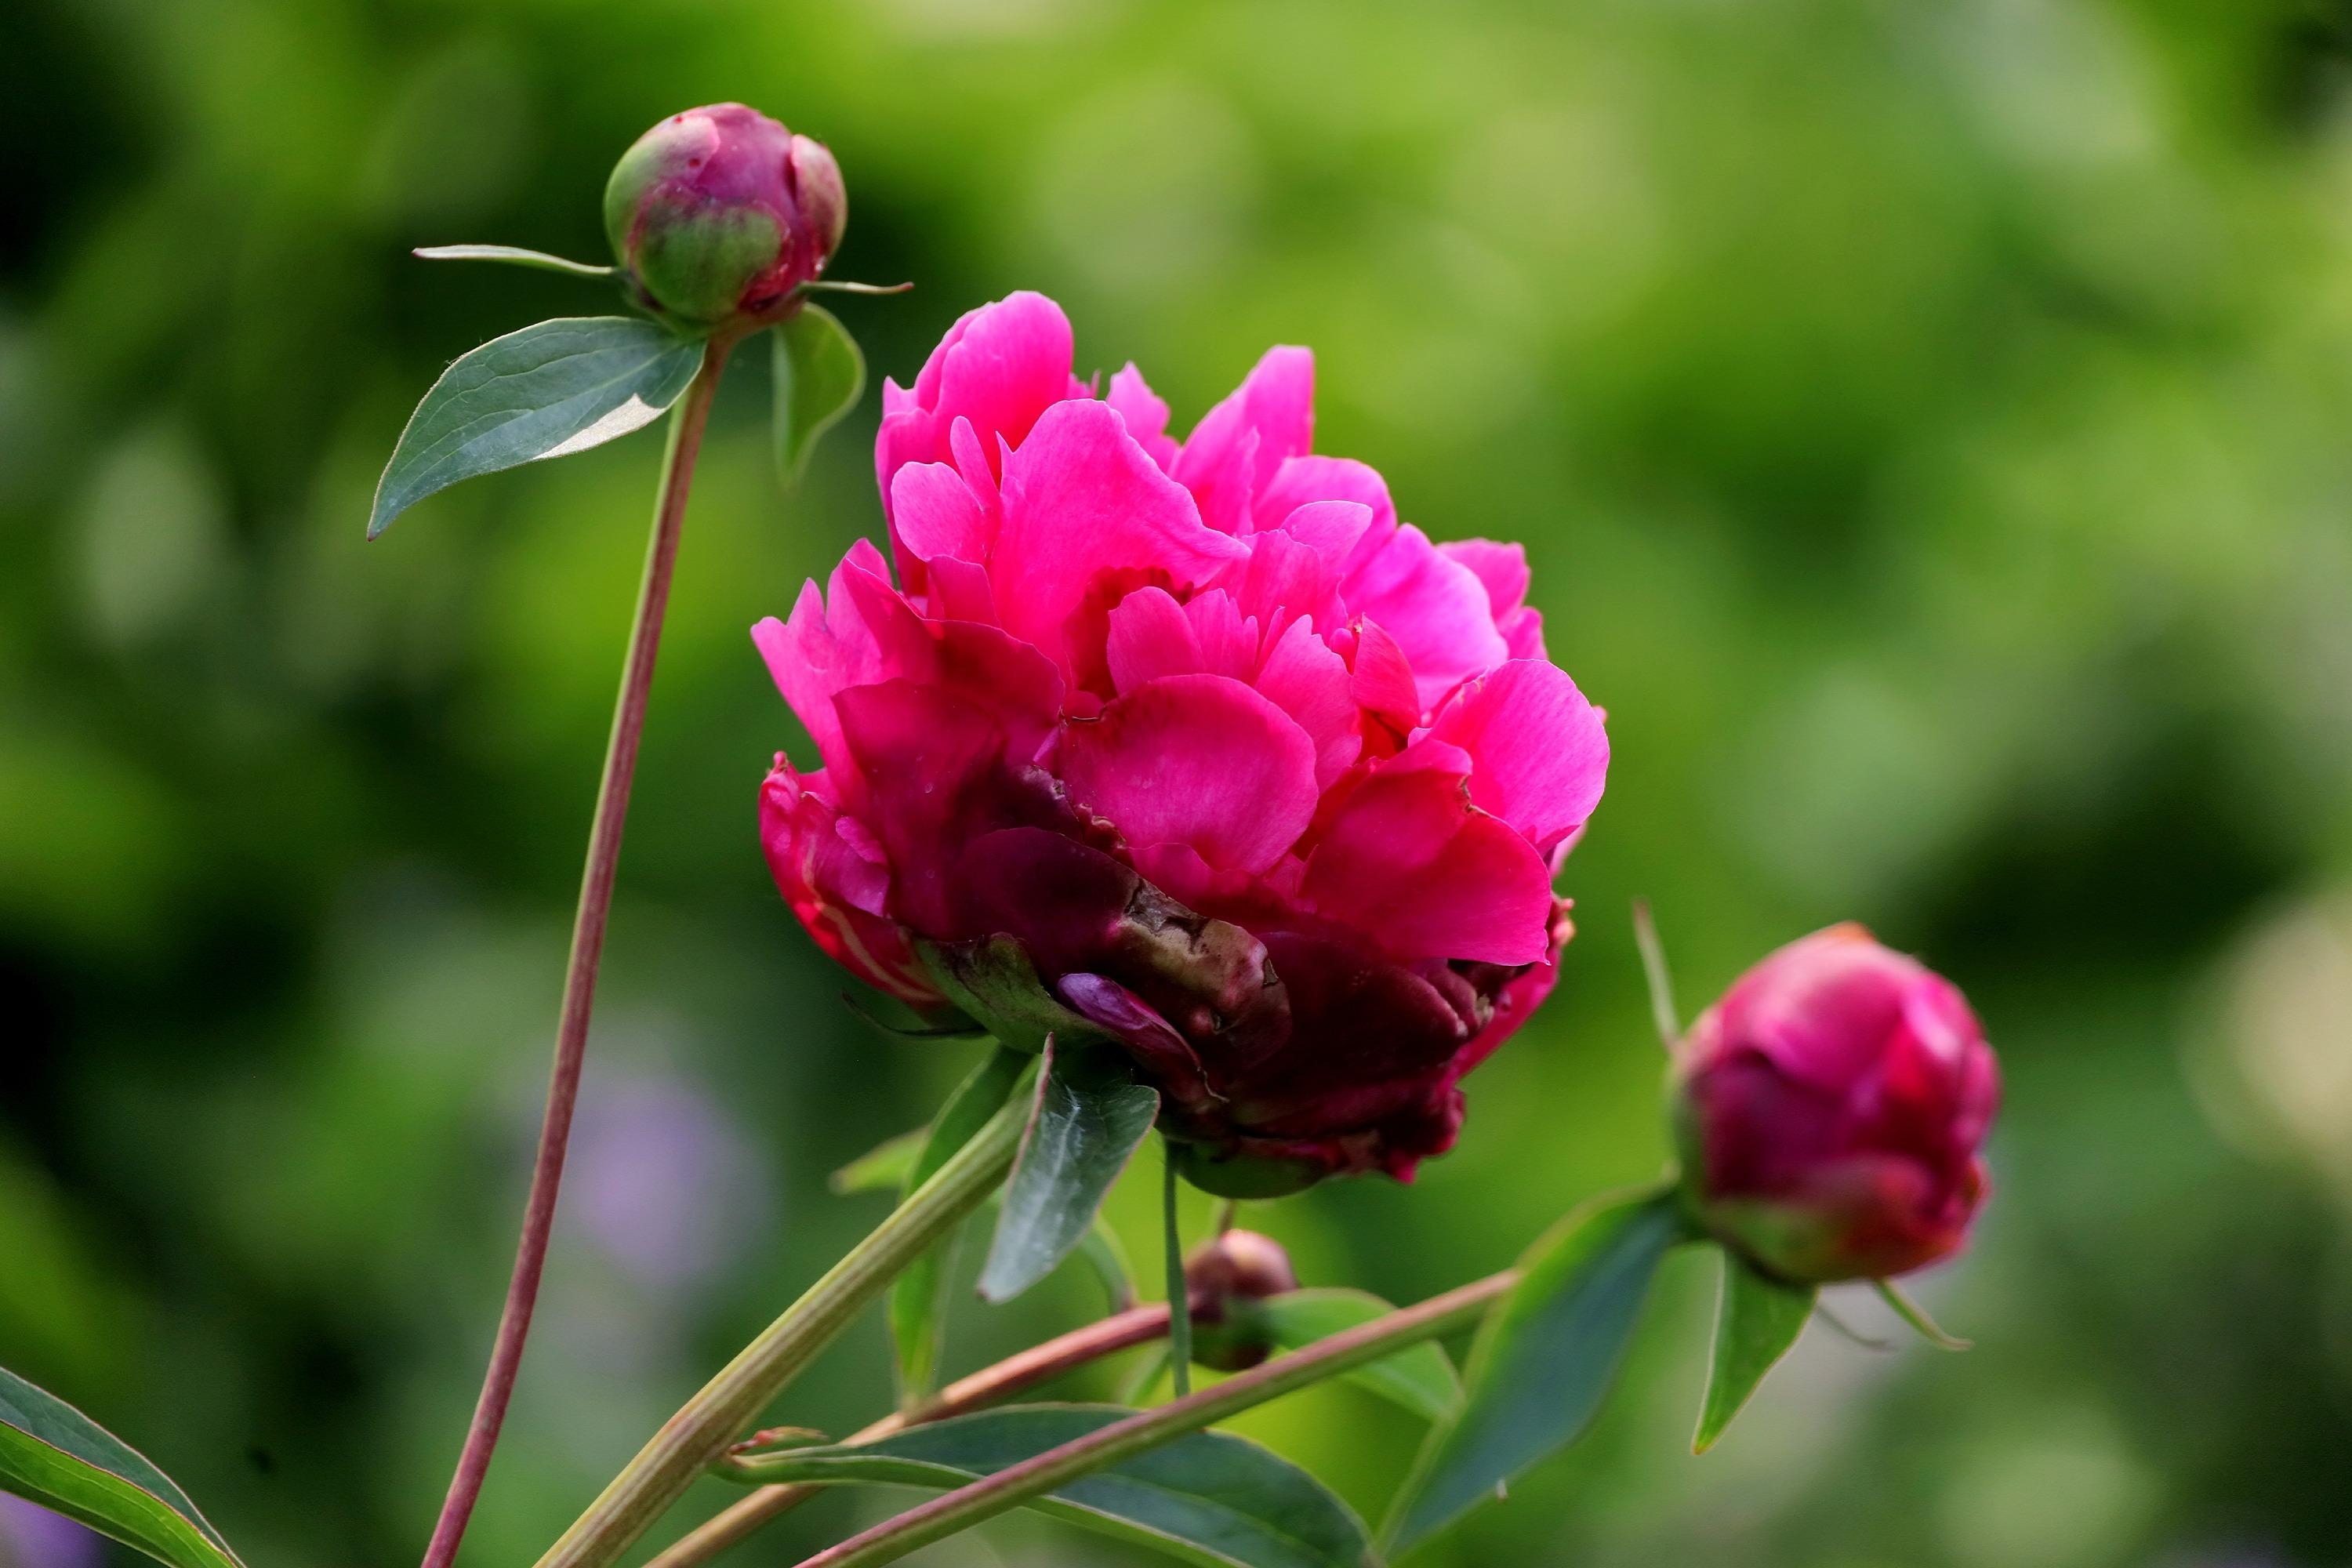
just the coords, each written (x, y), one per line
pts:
(717, 215)
(1829, 1111)
(1225, 1279)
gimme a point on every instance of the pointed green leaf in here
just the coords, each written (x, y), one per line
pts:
(916, 1301)
(1911, 1312)
(1418, 1377)
(513, 256)
(1756, 1320)
(1210, 1499)
(547, 391)
(1543, 1359)
(1090, 1115)
(820, 375)
(58, 1457)
(881, 1168)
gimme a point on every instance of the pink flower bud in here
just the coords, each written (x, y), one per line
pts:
(1829, 1111)
(1192, 747)
(718, 214)
(1223, 1277)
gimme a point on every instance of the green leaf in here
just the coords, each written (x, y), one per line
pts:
(820, 375)
(992, 980)
(547, 391)
(1911, 1312)
(58, 1457)
(1210, 1498)
(512, 256)
(1756, 1320)
(881, 1168)
(1103, 1252)
(1090, 1115)
(1543, 1359)
(1418, 1377)
(917, 1297)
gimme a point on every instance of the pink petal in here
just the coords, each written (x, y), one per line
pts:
(1196, 760)
(1227, 640)
(1146, 415)
(1302, 481)
(1239, 443)
(933, 512)
(1305, 679)
(1084, 504)
(1540, 753)
(1501, 568)
(1298, 566)
(1383, 683)
(1434, 606)
(1409, 861)
(960, 591)
(999, 366)
(1149, 637)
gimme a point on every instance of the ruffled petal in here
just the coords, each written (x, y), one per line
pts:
(1409, 861)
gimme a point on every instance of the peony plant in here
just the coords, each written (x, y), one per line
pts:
(1213, 799)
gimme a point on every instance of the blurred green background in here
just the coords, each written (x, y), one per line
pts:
(1932, 428)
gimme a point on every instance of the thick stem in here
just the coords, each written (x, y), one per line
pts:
(587, 949)
(1038, 1364)
(952, 1511)
(691, 1440)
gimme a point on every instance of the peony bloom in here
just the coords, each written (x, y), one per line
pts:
(719, 213)
(1191, 746)
(1829, 1111)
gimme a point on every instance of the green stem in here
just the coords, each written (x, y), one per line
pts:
(729, 1403)
(1038, 1364)
(587, 951)
(960, 1509)
(1180, 1318)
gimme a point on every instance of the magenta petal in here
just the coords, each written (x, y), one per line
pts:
(1239, 443)
(1146, 415)
(1501, 568)
(1150, 636)
(1305, 679)
(1227, 639)
(1540, 751)
(1083, 502)
(1411, 863)
(933, 512)
(1382, 678)
(1302, 481)
(1198, 759)
(1434, 606)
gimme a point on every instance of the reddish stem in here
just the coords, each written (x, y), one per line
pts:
(587, 950)
(1038, 1364)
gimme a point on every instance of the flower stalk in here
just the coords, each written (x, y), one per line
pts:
(698, 1435)
(604, 859)
(1025, 1369)
(950, 1513)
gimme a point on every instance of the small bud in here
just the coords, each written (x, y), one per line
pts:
(1225, 1277)
(1829, 1111)
(717, 215)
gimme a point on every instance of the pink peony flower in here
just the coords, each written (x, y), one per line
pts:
(1829, 1109)
(1194, 746)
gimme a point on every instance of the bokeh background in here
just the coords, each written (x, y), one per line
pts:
(1932, 428)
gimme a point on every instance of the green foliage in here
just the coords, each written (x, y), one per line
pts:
(1756, 1320)
(1211, 1497)
(1418, 1378)
(1543, 1359)
(56, 1456)
(1090, 1115)
(512, 256)
(819, 376)
(915, 1296)
(547, 391)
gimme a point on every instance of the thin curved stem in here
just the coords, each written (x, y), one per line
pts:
(691, 1440)
(960, 1509)
(1038, 1364)
(587, 950)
